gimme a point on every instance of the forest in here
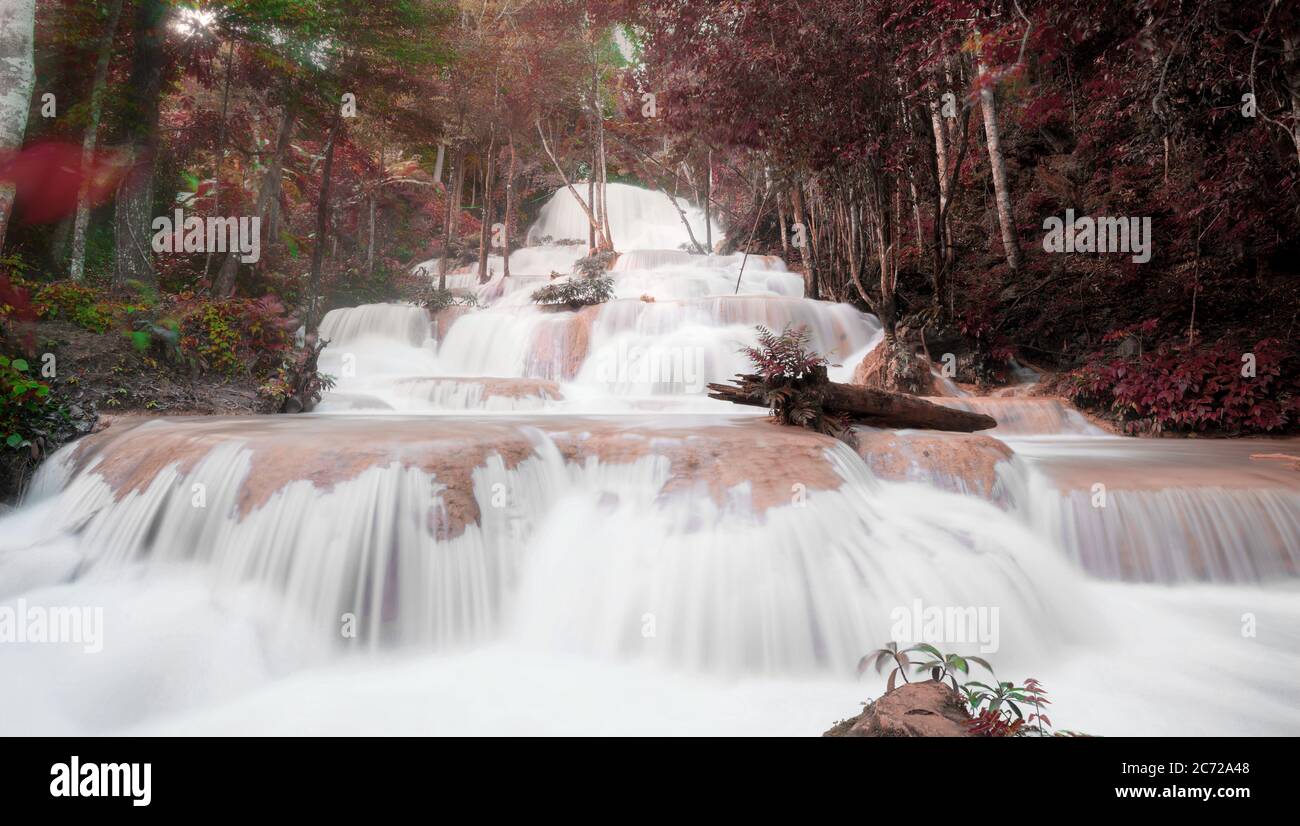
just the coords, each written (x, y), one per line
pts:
(904, 156)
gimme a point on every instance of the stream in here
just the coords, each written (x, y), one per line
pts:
(515, 520)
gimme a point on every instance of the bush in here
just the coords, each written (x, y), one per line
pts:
(159, 338)
(793, 380)
(75, 303)
(210, 332)
(17, 313)
(24, 403)
(435, 300)
(297, 384)
(784, 356)
(235, 336)
(1201, 388)
(575, 292)
(596, 264)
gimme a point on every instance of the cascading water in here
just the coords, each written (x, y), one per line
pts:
(515, 519)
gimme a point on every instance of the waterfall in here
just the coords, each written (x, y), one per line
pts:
(638, 219)
(536, 509)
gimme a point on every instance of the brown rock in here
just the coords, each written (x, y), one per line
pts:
(958, 462)
(559, 348)
(327, 450)
(928, 709)
(905, 373)
(444, 318)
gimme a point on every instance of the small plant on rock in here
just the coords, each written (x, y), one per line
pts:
(596, 264)
(297, 384)
(997, 712)
(575, 293)
(997, 709)
(436, 300)
(794, 381)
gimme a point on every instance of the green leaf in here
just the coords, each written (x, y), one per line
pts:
(929, 649)
(20, 365)
(980, 661)
(14, 440)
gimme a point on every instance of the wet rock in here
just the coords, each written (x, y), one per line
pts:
(750, 463)
(444, 318)
(928, 709)
(896, 369)
(957, 462)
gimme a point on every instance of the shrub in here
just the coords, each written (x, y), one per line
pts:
(793, 382)
(997, 709)
(596, 264)
(435, 300)
(210, 332)
(237, 335)
(1200, 388)
(297, 384)
(783, 355)
(159, 338)
(75, 303)
(24, 403)
(17, 312)
(575, 292)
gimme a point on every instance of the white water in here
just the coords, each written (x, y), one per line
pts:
(530, 522)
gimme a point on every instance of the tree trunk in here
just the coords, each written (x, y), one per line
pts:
(809, 274)
(17, 79)
(604, 190)
(602, 242)
(780, 219)
(867, 405)
(685, 222)
(510, 210)
(457, 182)
(1001, 189)
(374, 196)
(708, 211)
(485, 225)
(591, 197)
(940, 150)
(437, 165)
(322, 226)
(221, 151)
(131, 222)
(1291, 70)
(77, 265)
(268, 203)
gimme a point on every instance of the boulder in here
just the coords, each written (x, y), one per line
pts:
(958, 462)
(928, 709)
(905, 372)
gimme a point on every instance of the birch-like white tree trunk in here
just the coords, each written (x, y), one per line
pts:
(77, 265)
(17, 79)
(1001, 189)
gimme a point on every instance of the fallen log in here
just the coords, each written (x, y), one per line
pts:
(863, 405)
